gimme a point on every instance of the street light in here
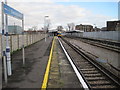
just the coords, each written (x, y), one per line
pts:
(46, 25)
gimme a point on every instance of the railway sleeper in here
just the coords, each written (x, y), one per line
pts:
(84, 66)
(103, 86)
(85, 63)
(100, 82)
(95, 78)
(90, 72)
(81, 61)
(87, 69)
(93, 75)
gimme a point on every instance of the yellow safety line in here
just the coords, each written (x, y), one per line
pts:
(44, 84)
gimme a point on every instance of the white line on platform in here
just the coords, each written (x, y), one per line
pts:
(85, 86)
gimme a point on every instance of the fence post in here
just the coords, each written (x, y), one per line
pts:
(27, 39)
(11, 43)
(17, 41)
(1, 45)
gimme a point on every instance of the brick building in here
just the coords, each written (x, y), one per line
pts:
(59, 28)
(85, 28)
(113, 25)
(14, 29)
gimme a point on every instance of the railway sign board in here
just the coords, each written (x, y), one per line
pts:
(12, 12)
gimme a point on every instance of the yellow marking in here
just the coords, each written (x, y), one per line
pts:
(44, 84)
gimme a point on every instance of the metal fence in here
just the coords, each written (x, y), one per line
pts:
(110, 35)
(107, 35)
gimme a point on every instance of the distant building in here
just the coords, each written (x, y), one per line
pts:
(14, 29)
(59, 28)
(34, 32)
(96, 29)
(113, 25)
(85, 28)
(104, 29)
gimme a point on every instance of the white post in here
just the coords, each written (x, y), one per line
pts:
(23, 51)
(45, 27)
(3, 45)
(8, 47)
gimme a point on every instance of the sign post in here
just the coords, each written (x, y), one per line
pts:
(3, 45)
(7, 10)
(23, 50)
(8, 57)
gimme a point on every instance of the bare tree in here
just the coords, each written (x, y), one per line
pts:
(34, 28)
(68, 26)
(71, 26)
(59, 28)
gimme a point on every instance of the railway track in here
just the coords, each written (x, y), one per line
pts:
(101, 44)
(94, 75)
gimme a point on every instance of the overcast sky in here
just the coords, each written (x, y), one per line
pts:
(62, 12)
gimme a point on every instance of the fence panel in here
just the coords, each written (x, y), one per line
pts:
(15, 41)
(110, 35)
(0, 46)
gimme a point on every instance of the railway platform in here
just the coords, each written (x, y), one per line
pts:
(36, 58)
(61, 63)
(61, 72)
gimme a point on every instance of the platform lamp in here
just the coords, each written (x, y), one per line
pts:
(46, 25)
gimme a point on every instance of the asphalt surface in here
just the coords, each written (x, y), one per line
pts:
(0, 73)
(30, 76)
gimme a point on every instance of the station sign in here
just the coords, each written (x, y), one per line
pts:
(12, 12)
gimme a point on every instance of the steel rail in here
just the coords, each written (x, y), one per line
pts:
(109, 47)
(112, 43)
(79, 76)
(93, 62)
(99, 44)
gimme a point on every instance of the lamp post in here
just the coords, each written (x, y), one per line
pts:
(46, 25)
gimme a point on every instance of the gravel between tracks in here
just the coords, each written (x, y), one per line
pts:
(79, 61)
